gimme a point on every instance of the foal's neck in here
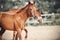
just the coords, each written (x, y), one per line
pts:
(24, 15)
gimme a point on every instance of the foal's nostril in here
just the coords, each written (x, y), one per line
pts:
(39, 21)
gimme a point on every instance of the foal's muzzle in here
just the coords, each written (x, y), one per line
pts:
(39, 19)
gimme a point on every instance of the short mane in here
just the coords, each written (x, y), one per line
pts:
(19, 10)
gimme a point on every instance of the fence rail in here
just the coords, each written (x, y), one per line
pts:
(47, 18)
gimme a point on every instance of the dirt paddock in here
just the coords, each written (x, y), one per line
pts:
(37, 33)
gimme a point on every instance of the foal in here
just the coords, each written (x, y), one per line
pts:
(16, 22)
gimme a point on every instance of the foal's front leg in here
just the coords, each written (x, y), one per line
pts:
(18, 29)
(23, 28)
(26, 33)
(19, 34)
(14, 35)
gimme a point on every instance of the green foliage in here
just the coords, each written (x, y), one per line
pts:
(43, 5)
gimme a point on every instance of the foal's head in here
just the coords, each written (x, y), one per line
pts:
(34, 12)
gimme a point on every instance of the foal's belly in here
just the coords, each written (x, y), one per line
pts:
(8, 27)
(7, 23)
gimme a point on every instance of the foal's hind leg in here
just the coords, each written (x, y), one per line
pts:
(2, 30)
(0, 37)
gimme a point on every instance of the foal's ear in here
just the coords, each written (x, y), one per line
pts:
(34, 2)
(29, 2)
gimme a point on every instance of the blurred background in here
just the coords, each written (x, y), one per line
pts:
(48, 29)
(50, 10)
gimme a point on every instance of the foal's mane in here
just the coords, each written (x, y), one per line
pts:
(19, 10)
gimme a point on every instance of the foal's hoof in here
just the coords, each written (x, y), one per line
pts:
(25, 37)
(0, 39)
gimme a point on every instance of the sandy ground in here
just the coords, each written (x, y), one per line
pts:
(37, 33)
